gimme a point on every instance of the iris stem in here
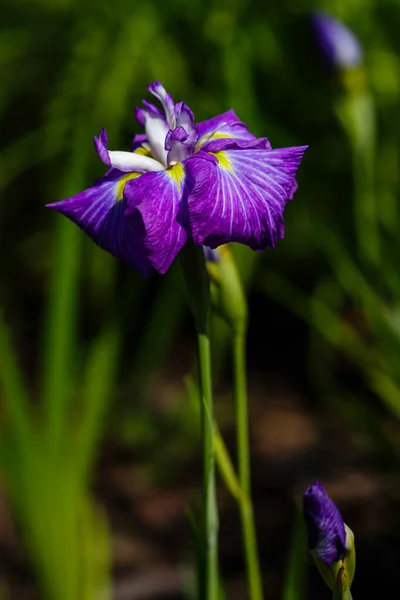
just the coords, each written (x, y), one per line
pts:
(210, 514)
(197, 285)
(243, 452)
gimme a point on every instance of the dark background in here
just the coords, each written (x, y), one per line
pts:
(102, 355)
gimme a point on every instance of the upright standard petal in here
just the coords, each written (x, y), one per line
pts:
(240, 192)
(99, 211)
(185, 119)
(325, 527)
(156, 128)
(178, 145)
(159, 202)
(158, 90)
(227, 125)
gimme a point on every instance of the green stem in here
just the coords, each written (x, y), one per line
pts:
(209, 492)
(197, 285)
(246, 506)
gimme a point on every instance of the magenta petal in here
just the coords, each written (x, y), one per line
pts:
(241, 196)
(160, 200)
(227, 125)
(99, 211)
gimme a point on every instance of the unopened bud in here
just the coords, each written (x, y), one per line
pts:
(330, 540)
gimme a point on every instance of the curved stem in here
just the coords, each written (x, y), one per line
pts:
(246, 506)
(210, 515)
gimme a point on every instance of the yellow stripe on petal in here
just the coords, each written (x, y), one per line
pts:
(223, 160)
(143, 151)
(177, 173)
(122, 182)
(209, 138)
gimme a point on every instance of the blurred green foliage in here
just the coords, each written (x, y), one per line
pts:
(80, 332)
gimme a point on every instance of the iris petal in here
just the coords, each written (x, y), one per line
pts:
(226, 125)
(138, 140)
(339, 45)
(325, 527)
(132, 161)
(158, 90)
(185, 119)
(99, 211)
(124, 161)
(177, 145)
(156, 129)
(241, 195)
(160, 199)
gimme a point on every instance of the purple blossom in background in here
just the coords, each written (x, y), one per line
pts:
(325, 527)
(211, 183)
(338, 44)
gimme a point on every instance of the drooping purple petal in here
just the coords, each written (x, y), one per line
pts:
(339, 46)
(240, 195)
(158, 90)
(325, 527)
(226, 125)
(160, 200)
(99, 211)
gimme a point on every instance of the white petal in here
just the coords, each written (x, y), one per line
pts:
(156, 131)
(130, 161)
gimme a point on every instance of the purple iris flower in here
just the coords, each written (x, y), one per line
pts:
(211, 183)
(338, 44)
(325, 527)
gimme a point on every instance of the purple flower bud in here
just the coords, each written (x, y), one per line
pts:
(325, 527)
(338, 44)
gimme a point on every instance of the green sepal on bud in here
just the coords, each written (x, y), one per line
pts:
(353, 81)
(227, 294)
(349, 560)
(342, 586)
(344, 568)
